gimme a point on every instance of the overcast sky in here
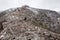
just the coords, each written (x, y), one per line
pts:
(43, 4)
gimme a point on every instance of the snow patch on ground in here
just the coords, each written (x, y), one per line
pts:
(32, 9)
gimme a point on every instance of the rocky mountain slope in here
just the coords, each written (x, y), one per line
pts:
(27, 23)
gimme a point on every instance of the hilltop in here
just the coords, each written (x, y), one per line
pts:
(27, 23)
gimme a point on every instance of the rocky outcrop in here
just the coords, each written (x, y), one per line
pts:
(27, 23)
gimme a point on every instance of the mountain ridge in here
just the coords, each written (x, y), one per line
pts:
(27, 21)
